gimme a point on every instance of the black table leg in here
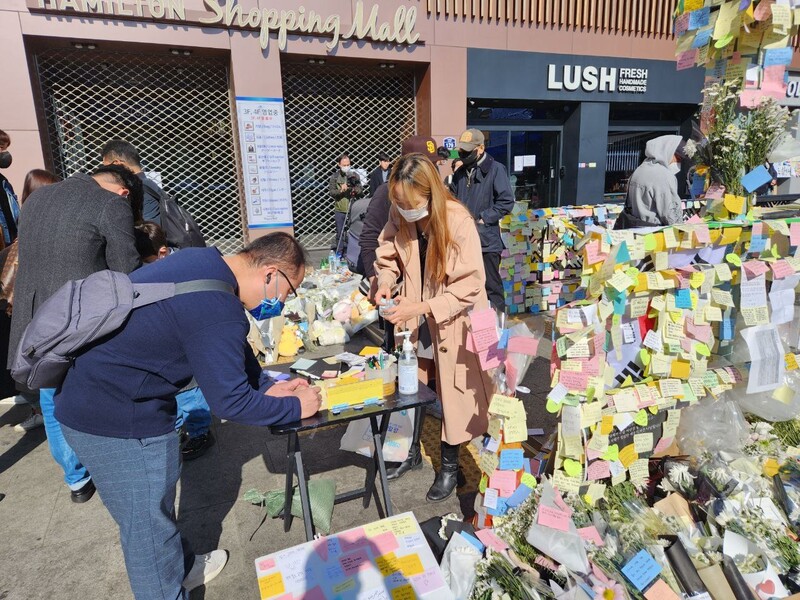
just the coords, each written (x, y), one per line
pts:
(290, 465)
(303, 486)
(379, 437)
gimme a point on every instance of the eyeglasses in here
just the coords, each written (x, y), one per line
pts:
(291, 287)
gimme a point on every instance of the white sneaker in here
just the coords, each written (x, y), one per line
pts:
(32, 422)
(205, 568)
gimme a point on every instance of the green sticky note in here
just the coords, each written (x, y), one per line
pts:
(649, 242)
(723, 41)
(702, 349)
(641, 418)
(612, 453)
(734, 259)
(552, 407)
(528, 480)
(573, 468)
(644, 357)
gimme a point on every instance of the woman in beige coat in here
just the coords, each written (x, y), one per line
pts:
(431, 241)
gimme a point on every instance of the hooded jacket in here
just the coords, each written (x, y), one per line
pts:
(653, 188)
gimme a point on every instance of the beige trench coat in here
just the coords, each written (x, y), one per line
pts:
(463, 386)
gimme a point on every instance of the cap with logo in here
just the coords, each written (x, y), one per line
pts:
(470, 139)
(422, 144)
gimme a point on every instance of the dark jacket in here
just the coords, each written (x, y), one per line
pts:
(375, 220)
(486, 191)
(125, 386)
(151, 211)
(376, 179)
(343, 198)
(67, 231)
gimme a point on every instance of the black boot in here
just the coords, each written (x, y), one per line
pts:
(447, 477)
(414, 461)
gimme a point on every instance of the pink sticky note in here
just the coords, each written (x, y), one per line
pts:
(266, 564)
(756, 229)
(694, 219)
(590, 534)
(491, 358)
(483, 319)
(702, 234)
(504, 481)
(754, 268)
(593, 253)
(355, 561)
(592, 455)
(573, 380)
(794, 234)
(660, 590)
(598, 469)
(662, 445)
(511, 376)
(385, 543)
(553, 518)
(702, 333)
(426, 582)
(484, 339)
(781, 268)
(562, 505)
(490, 539)
(687, 59)
(350, 540)
(523, 345)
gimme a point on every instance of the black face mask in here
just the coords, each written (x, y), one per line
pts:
(468, 158)
(5, 159)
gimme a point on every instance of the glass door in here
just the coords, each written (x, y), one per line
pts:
(533, 162)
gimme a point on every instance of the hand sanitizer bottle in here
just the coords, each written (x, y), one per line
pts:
(407, 375)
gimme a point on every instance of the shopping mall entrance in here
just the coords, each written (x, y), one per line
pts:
(175, 108)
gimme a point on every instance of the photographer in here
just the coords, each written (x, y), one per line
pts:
(344, 187)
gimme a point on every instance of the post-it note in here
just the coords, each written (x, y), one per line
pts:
(511, 460)
(641, 570)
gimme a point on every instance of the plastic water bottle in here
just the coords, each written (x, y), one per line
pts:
(333, 265)
(407, 375)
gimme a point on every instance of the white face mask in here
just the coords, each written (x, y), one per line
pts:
(413, 215)
(345, 170)
(675, 168)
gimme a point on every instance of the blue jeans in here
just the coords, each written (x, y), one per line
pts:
(193, 411)
(136, 480)
(75, 474)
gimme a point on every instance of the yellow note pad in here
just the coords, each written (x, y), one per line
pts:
(354, 393)
(410, 565)
(387, 564)
(271, 585)
(628, 455)
(505, 406)
(349, 584)
(369, 351)
(404, 592)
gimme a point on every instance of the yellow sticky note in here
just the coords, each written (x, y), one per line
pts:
(369, 351)
(771, 467)
(271, 585)
(403, 526)
(783, 394)
(410, 565)
(628, 455)
(607, 424)
(680, 369)
(387, 564)
(346, 585)
(643, 442)
(791, 362)
(515, 429)
(734, 204)
(489, 462)
(505, 406)
(404, 592)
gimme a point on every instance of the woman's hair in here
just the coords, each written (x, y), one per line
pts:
(416, 175)
(279, 249)
(150, 238)
(34, 180)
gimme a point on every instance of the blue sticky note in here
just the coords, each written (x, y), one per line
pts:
(503, 343)
(511, 460)
(519, 496)
(623, 254)
(589, 591)
(600, 213)
(641, 570)
(474, 541)
(701, 38)
(501, 510)
(303, 364)
(526, 466)
(698, 185)
(699, 18)
(757, 177)
(620, 303)
(758, 244)
(778, 56)
(683, 298)
(726, 330)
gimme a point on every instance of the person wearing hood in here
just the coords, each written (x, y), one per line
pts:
(653, 188)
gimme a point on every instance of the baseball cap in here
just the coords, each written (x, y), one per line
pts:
(470, 139)
(422, 144)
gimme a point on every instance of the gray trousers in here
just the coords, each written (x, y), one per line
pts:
(136, 480)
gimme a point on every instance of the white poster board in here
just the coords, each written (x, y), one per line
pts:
(384, 560)
(265, 162)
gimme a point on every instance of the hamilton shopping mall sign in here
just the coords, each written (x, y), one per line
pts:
(228, 14)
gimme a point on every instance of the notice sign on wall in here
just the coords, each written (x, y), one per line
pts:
(265, 162)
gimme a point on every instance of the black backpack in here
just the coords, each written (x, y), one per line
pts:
(178, 224)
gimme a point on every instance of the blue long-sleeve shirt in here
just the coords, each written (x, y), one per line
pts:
(125, 386)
